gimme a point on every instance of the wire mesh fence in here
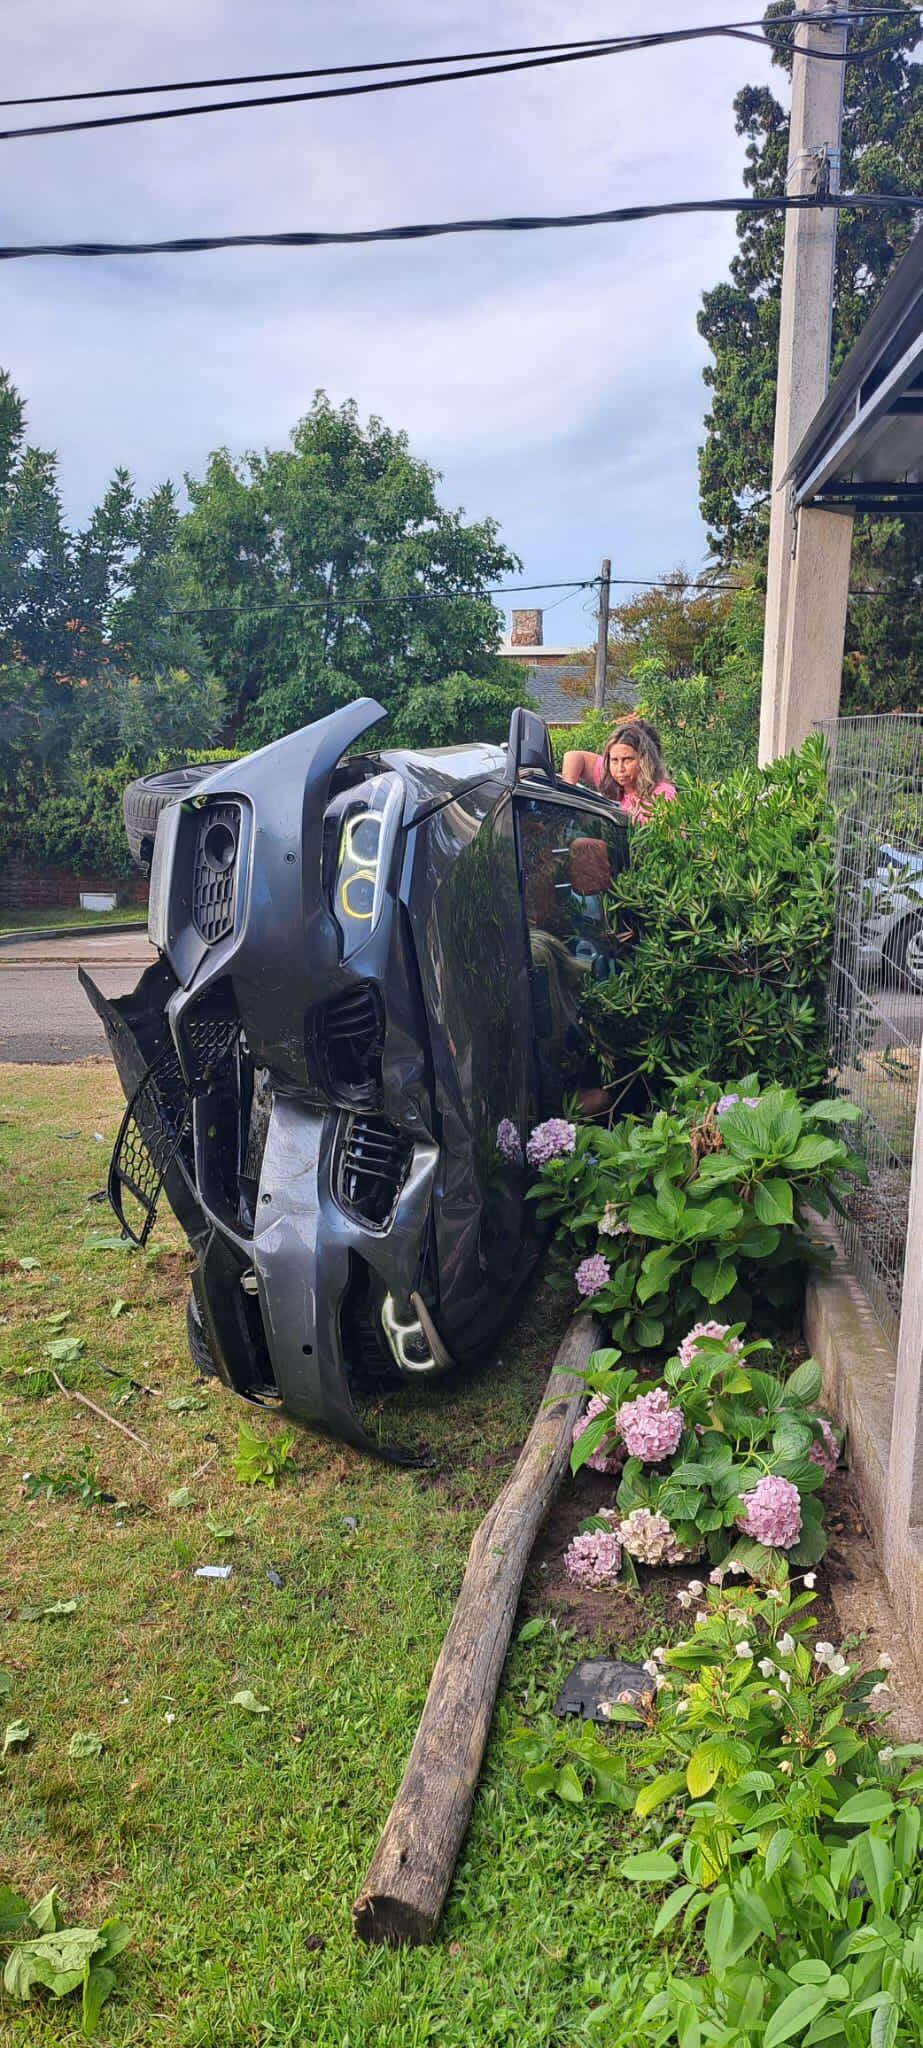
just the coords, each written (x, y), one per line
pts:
(875, 1003)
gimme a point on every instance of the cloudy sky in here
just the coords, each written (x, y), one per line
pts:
(554, 379)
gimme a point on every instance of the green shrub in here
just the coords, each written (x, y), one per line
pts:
(698, 1206)
(730, 892)
(590, 735)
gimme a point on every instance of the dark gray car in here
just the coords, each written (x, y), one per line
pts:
(364, 999)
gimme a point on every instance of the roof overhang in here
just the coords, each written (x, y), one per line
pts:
(864, 448)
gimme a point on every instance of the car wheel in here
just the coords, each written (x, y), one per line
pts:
(144, 800)
(198, 1342)
(905, 952)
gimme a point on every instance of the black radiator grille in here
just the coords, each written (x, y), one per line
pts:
(374, 1163)
(350, 1035)
(215, 871)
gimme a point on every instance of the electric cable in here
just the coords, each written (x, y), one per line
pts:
(419, 231)
(554, 54)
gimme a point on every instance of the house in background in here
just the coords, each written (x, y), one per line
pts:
(560, 679)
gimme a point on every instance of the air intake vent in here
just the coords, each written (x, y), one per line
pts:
(349, 1036)
(215, 871)
(374, 1163)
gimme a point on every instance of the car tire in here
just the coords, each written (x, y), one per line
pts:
(144, 800)
(198, 1342)
(905, 953)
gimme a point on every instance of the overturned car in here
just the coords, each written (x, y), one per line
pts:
(364, 999)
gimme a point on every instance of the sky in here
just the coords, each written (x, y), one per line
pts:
(555, 379)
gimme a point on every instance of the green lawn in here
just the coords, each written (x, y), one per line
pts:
(235, 1843)
(64, 914)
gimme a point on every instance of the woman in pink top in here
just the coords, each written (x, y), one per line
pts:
(629, 770)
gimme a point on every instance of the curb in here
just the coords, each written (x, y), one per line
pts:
(68, 931)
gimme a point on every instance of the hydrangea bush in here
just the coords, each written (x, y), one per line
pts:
(661, 1221)
(724, 1457)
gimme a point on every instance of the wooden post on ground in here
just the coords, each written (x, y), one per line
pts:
(411, 1870)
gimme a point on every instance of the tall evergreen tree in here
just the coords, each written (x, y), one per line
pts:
(882, 146)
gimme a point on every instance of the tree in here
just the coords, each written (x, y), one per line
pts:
(329, 569)
(671, 624)
(93, 661)
(882, 146)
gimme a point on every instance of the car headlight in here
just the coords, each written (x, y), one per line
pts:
(366, 838)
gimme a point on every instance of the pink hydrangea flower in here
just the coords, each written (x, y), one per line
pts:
(727, 1102)
(509, 1143)
(772, 1513)
(825, 1450)
(691, 1341)
(550, 1141)
(594, 1559)
(598, 1460)
(592, 1274)
(650, 1427)
(647, 1536)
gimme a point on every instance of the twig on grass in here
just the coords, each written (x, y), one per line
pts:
(103, 1413)
(197, 1474)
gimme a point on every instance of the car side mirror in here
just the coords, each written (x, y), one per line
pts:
(529, 747)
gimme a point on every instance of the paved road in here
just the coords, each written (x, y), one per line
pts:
(44, 1014)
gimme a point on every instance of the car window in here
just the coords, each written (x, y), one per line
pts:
(568, 858)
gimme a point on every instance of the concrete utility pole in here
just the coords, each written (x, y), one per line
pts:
(792, 673)
(602, 637)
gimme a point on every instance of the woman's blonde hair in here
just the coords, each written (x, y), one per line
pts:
(644, 739)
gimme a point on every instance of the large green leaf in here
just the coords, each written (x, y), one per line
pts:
(772, 1201)
(795, 2014)
(804, 1384)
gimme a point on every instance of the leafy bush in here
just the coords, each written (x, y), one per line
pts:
(697, 1206)
(730, 890)
(781, 1830)
(703, 1445)
(590, 735)
(461, 707)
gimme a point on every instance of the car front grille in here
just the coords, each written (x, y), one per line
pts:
(374, 1163)
(215, 871)
(349, 1036)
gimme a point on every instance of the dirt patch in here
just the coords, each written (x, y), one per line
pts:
(173, 1271)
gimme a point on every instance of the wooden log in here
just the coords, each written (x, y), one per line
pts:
(411, 1870)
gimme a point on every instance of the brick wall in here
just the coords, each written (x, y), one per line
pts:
(25, 888)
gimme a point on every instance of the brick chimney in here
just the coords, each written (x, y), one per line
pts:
(526, 629)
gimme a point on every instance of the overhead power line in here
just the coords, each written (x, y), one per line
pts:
(464, 67)
(421, 231)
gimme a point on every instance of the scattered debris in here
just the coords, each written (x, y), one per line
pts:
(249, 1702)
(213, 1571)
(275, 1578)
(597, 1682)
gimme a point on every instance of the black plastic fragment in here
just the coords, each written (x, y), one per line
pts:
(597, 1681)
(274, 1578)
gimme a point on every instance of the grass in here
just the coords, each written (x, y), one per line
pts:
(62, 914)
(235, 1843)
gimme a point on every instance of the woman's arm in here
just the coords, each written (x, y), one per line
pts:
(575, 766)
